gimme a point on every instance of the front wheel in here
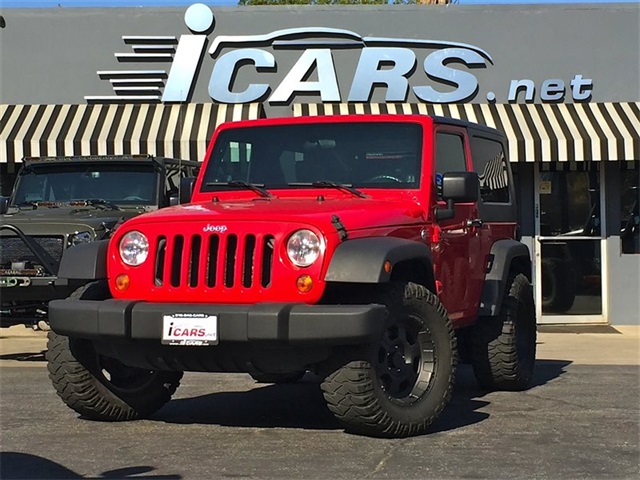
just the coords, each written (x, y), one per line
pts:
(408, 378)
(99, 387)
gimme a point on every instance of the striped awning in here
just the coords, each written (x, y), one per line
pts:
(175, 130)
(536, 132)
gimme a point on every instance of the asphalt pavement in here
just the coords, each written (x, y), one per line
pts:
(580, 420)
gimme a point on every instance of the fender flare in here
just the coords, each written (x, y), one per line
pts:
(503, 254)
(87, 261)
(362, 260)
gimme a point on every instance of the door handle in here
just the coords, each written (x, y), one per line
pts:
(476, 222)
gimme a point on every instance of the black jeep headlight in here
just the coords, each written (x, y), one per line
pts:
(303, 248)
(134, 248)
(80, 237)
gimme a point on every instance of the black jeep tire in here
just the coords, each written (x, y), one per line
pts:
(503, 349)
(99, 387)
(558, 285)
(280, 378)
(408, 377)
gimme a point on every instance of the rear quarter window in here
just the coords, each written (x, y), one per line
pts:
(490, 163)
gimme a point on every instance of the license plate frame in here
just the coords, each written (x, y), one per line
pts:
(189, 329)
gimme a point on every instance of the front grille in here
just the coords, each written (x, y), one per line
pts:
(227, 261)
(13, 249)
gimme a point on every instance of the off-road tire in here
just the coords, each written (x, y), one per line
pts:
(280, 378)
(383, 395)
(101, 388)
(503, 347)
(558, 285)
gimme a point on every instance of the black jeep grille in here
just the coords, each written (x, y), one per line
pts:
(214, 260)
(13, 249)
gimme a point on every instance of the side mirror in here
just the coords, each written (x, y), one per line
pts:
(186, 189)
(4, 205)
(458, 187)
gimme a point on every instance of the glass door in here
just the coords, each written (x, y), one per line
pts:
(570, 251)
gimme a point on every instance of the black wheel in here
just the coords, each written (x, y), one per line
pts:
(504, 347)
(408, 378)
(558, 285)
(99, 387)
(289, 377)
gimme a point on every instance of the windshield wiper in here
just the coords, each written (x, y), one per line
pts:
(99, 202)
(254, 187)
(33, 205)
(346, 187)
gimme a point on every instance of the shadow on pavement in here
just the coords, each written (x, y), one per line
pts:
(301, 405)
(25, 357)
(15, 465)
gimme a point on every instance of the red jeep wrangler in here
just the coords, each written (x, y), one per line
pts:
(370, 250)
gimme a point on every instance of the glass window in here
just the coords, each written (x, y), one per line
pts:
(630, 196)
(490, 163)
(450, 157)
(363, 155)
(570, 203)
(122, 183)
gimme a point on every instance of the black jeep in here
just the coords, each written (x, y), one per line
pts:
(58, 202)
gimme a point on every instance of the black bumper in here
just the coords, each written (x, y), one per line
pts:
(265, 322)
(36, 289)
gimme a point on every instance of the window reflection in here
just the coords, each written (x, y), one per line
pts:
(630, 225)
(570, 203)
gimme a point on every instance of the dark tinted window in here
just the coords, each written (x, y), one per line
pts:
(450, 153)
(450, 156)
(122, 183)
(489, 162)
(364, 155)
(630, 198)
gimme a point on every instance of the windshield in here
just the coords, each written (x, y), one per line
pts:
(122, 184)
(361, 155)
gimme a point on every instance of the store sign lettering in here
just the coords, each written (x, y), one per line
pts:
(388, 63)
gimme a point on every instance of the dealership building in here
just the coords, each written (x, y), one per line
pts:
(561, 81)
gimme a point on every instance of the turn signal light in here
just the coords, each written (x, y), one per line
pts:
(122, 282)
(304, 283)
(387, 266)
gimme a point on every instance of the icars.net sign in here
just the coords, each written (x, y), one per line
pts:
(384, 62)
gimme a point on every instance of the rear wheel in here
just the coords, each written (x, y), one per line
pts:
(504, 346)
(408, 376)
(99, 387)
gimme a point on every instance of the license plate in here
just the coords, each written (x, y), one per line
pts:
(190, 329)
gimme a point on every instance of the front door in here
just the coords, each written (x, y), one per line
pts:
(569, 249)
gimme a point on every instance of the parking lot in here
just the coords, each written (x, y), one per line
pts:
(581, 420)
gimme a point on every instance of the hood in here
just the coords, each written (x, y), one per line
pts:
(354, 213)
(42, 221)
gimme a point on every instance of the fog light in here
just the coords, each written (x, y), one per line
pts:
(122, 282)
(304, 283)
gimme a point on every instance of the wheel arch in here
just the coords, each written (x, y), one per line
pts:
(507, 257)
(363, 261)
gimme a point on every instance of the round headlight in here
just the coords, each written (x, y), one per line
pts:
(303, 248)
(134, 248)
(80, 237)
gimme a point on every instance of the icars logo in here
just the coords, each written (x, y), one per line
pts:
(184, 55)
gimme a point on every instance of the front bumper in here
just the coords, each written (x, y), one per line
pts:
(35, 289)
(265, 322)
